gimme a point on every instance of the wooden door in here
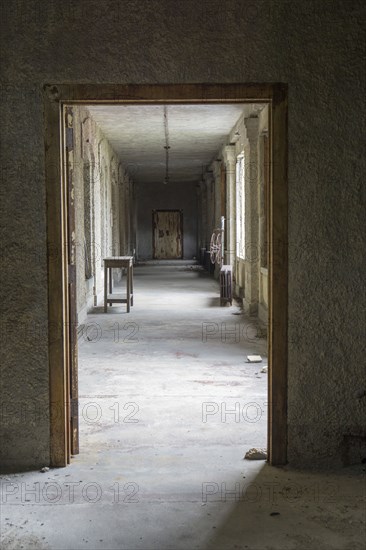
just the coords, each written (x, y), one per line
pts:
(71, 337)
(167, 234)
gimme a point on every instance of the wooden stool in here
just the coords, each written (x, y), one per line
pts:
(118, 262)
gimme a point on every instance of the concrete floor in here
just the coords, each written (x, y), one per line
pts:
(161, 464)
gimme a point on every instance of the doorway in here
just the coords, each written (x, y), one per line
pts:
(60, 339)
(167, 234)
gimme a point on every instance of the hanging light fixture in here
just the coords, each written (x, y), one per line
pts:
(166, 146)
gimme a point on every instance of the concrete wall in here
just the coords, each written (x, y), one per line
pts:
(315, 47)
(157, 196)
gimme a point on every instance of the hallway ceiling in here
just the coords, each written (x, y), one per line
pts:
(196, 135)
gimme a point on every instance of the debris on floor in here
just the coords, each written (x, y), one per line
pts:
(190, 268)
(44, 469)
(265, 369)
(256, 454)
(254, 358)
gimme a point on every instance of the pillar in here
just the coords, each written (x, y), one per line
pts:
(252, 253)
(203, 214)
(230, 227)
(210, 204)
(216, 170)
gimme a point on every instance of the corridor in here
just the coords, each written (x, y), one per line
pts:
(174, 369)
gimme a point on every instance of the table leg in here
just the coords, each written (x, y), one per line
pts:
(131, 284)
(128, 289)
(105, 288)
(110, 283)
(110, 280)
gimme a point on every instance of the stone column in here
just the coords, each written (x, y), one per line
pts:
(128, 215)
(116, 244)
(199, 221)
(230, 222)
(216, 170)
(252, 256)
(122, 199)
(203, 214)
(210, 220)
(262, 198)
(133, 217)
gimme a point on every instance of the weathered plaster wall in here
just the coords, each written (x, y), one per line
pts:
(102, 200)
(251, 279)
(315, 47)
(157, 196)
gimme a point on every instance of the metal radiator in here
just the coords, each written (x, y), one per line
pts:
(226, 285)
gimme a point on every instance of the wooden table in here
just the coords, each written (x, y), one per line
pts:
(110, 298)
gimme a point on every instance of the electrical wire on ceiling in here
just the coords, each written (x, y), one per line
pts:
(167, 146)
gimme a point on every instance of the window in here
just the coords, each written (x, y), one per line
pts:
(264, 201)
(240, 207)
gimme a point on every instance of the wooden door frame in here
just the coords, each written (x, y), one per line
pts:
(181, 227)
(56, 96)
